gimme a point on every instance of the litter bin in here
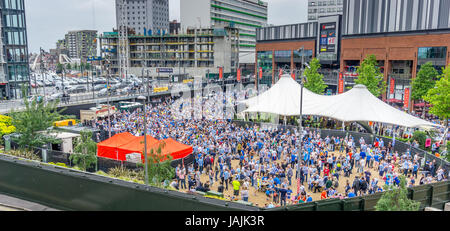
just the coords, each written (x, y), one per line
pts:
(7, 142)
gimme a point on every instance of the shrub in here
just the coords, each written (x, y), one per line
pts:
(127, 174)
(59, 164)
(420, 137)
(6, 127)
(24, 153)
(396, 199)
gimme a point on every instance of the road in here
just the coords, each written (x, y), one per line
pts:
(86, 98)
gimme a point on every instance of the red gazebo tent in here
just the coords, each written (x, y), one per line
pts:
(174, 148)
(118, 146)
(109, 147)
(135, 146)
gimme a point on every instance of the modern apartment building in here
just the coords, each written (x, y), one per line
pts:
(321, 8)
(197, 52)
(174, 27)
(145, 17)
(14, 64)
(81, 44)
(403, 35)
(246, 15)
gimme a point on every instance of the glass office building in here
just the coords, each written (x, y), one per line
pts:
(15, 70)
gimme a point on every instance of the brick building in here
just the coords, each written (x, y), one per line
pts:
(401, 39)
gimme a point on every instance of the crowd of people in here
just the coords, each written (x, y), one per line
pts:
(255, 163)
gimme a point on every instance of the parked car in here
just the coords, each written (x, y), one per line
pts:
(99, 87)
(80, 88)
(102, 92)
(59, 85)
(55, 96)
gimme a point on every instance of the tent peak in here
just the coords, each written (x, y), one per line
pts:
(361, 86)
(285, 76)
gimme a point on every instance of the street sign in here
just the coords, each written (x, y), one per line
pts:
(164, 70)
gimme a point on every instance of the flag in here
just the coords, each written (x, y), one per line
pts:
(281, 72)
(293, 75)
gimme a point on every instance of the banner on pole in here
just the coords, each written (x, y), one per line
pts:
(406, 98)
(238, 74)
(341, 84)
(260, 73)
(220, 72)
(392, 86)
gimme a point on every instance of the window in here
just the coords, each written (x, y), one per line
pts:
(306, 53)
(432, 52)
(282, 54)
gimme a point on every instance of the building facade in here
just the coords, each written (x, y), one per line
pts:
(174, 27)
(322, 8)
(403, 35)
(145, 17)
(80, 44)
(14, 60)
(246, 15)
(198, 52)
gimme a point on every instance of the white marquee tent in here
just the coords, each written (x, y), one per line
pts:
(283, 99)
(357, 104)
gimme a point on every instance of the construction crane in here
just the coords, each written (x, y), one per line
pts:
(122, 28)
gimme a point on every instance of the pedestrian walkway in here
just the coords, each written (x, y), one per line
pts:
(8, 203)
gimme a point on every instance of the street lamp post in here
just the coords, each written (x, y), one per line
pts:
(300, 152)
(108, 93)
(93, 86)
(145, 137)
(43, 69)
(148, 84)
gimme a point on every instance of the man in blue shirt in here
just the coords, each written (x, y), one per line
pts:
(276, 181)
(283, 193)
(351, 194)
(415, 169)
(226, 176)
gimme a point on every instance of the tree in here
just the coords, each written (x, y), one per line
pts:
(68, 66)
(396, 199)
(85, 152)
(424, 81)
(32, 123)
(439, 96)
(370, 76)
(59, 68)
(314, 81)
(159, 169)
(88, 66)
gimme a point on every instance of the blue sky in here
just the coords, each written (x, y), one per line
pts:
(49, 20)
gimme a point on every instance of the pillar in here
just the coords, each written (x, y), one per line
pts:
(273, 66)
